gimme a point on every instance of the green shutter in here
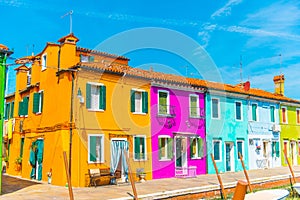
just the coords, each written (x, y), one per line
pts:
(191, 147)
(7, 108)
(20, 108)
(102, 97)
(36, 102)
(254, 106)
(170, 148)
(216, 150)
(88, 96)
(200, 147)
(21, 147)
(240, 149)
(272, 114)
(91, 58)
(277, 149)
(92, 148)
(137, 148)
(143, 156)
(25, 105)
(159, 148)
(132, 100)
(145, 102)
(12, 109)
(42, 100)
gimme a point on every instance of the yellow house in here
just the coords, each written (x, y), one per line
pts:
(89, 104)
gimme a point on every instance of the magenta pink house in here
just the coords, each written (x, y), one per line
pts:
(178, 131)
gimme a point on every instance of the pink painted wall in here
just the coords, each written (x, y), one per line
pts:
(159, 126)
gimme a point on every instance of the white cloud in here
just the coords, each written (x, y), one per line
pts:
(226, 9)
(13, 3)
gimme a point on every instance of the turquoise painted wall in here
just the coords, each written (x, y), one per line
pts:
(226, 129)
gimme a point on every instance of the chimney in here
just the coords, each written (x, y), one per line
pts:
(247, 86)
(279, 84)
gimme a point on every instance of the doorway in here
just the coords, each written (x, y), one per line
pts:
(118, 164)
(293, 153)
(229, 149)
(36, 159)
(181, 154)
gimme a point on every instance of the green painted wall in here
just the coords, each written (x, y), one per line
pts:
(290, 132)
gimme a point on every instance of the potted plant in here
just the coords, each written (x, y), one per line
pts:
(18, 163)
(142, 176)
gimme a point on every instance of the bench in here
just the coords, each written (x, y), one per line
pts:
(102, 175)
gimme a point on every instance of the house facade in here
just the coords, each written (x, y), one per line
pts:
(226, 136)
(178, 130)
(263, 133)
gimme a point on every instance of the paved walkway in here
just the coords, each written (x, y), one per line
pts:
(16, 188)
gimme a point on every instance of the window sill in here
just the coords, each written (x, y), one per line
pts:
(95, 110)
(96, 162)
(195, 117)
(139, 113)
(44, 69)
(165, 159)
(38, 113)
(165, 115)
(196, 158)
(139, 160)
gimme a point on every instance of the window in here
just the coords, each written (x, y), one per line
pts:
(240, 148)
(298, 115)
(21, 146)
(272, 113)
(38, 102)
(96, 148)
(163, 102)
(238, 111)
(165, 147)
(284, 115)
(95, 96)
(254, 112)
(139, 101)
(217, 150)
(215, 108)
(9, 110)
(139, 147)
(44, 61)
(194, 106)
(23, 106)
(196, 147)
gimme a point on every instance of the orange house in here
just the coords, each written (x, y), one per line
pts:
(89, 104)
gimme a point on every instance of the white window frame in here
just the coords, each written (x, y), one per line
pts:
(220, 149)
(40, 101)
(286, 115)
(243, 148)
(219, 112)
(197, 148)
(141, 105)
(241, 110)
(44, 61)
(168, 102)
(297, 109)
(197, 108)
(166, 148)
(257, 116)
(145, 139)
(102, 148)
(99, 85)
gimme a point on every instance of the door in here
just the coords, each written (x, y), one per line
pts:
(181, 154)
(266, 154)
(118, 164)
(36, 159)
(229, 156)
(293, 153)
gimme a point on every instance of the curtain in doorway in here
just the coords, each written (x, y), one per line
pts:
(40, 149)
(117, 148)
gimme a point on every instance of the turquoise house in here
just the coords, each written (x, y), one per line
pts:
(226, 125)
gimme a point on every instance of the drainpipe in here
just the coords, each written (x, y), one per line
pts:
(71, 125)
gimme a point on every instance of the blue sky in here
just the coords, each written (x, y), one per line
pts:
(256, 31)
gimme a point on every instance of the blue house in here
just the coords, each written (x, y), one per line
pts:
(226, 125)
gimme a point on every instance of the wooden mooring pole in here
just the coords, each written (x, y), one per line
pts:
(290, 167)
(135, 196)
(68, 176)
(245, 172)
(223, 194)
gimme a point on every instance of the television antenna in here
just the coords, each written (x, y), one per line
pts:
(70, 14)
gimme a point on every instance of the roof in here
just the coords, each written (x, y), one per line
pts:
(5, 49)
(71, 35)
(24, 60)
(85, 50)
(22, 67)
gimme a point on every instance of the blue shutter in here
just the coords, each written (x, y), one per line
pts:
(272, 114)
(239, 148)
(88, 96)
(145, 102)
(216, 150)
(254, 107)
(215, 108)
